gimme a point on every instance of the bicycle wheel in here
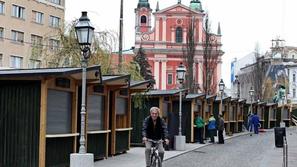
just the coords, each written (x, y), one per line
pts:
(159, 161)
(153, 161)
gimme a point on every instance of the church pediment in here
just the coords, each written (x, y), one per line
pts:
(178, 8)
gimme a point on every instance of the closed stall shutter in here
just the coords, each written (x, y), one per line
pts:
(58, 112)
(95, 109)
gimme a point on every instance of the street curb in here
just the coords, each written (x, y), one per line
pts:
(201, 146)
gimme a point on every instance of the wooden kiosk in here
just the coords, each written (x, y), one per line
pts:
(38, 109)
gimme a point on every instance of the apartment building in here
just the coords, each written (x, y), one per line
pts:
(27, 29)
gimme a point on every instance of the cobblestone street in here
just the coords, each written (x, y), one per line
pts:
(244, 151)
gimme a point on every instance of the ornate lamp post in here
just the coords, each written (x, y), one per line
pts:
(238, 86)
(251, 93)
(221, 88)
(180, 140)
(84, 32)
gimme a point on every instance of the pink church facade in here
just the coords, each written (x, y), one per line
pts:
(165, 42)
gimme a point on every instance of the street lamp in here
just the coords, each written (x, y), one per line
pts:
(251, 93)
(221, 88)
(282, 123)
(180, 140)
(238, 86)
(84, 32)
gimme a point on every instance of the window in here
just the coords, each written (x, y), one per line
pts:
(37, 17)
(1, 7)
(293, 56)
(169, 79)
(18, 11)
(16, 62)
(294, 93)
(294, 77)
(95, 112)
(34, 63)
(143, 20)
(58, 2)
(54, 44)
(179, 35)
(1, 60)
(17, 36)
(36, 40)
(1, 32)
(54, 21)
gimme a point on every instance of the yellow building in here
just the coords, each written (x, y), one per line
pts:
(27, 28)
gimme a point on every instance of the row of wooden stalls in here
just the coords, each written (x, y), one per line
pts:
(40, 115)
(235, 113)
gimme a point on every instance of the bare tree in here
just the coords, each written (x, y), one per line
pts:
(189, 54)
(211, 54)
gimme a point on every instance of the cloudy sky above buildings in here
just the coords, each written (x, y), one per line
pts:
(243, 22)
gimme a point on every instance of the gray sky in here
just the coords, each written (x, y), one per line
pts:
(243, 22)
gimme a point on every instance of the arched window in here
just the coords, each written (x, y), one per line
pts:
(143, 20)
(179, 35)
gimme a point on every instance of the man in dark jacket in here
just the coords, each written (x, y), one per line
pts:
(221, 128)
(154, 128)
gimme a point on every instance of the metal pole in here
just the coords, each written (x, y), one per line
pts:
(180, 114)
(251, 110)
(285, 152)
(221, 104)
(82, 141)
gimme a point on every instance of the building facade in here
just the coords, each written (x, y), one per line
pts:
(27, 28)
(165, 43)
(267, 73)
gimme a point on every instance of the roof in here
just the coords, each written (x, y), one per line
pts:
(178, 5)
(241, 100)
(140, 84)
(218, 98)
(164, 92)
(93, 72)
(210, 96)
(271, 104)
(195, 95)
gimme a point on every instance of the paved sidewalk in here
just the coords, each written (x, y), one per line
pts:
(135, 156)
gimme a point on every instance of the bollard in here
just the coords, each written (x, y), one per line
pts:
(285, 153)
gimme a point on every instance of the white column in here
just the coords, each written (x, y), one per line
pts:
(200, 30)
(157, 29)
(164, 75)
(200, 78)
(184, 35)
(164, 29)
(172, 35)
(156, 73)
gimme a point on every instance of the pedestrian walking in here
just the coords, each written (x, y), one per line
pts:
(256, 122)
(199, 122)
(250, 123)
(211, 128)
(221, 127)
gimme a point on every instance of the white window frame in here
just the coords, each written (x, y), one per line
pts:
(57, 2)
(54, 44)
(1, 32)
(34, 63)
(2, 7)
(38, 17)
(16, 61)
(1, 60)
(171, 79)
(18, 11)
(54, 21)
(17, 36)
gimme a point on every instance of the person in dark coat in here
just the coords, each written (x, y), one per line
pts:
(256, 122)
(250, 123)
(221, 127)
(154, 128)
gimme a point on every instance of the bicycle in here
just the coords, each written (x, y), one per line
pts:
(155, 158)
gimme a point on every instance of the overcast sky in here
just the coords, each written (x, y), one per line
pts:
(243, 22)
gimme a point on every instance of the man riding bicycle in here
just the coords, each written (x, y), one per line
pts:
(154, 128)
